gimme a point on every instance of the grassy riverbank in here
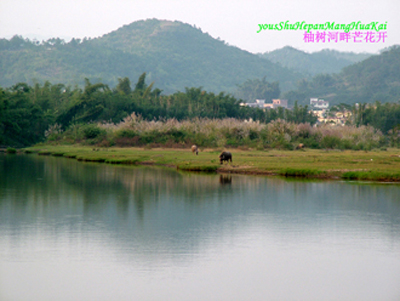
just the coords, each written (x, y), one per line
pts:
(376, 165)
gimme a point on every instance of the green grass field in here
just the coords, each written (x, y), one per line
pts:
(376, 165)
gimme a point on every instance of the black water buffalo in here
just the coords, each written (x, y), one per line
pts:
(225, 156)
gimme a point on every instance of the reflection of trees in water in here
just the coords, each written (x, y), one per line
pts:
(139, 205)
(49, 181)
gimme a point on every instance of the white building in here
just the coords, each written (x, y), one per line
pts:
(258, 104)
(319, 103)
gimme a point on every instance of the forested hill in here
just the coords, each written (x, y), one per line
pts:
(324, 61)
(374, 79)
(173, 54)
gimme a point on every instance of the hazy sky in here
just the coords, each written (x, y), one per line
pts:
(236, 22)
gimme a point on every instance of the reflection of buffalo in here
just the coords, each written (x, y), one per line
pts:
(225, 156)
(195, 149)
(225, 179)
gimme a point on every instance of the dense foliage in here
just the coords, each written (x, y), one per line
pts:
(29, 114)
(141, 115)
(374, 79)
(254, 89)
(311, 64)
(173, 54)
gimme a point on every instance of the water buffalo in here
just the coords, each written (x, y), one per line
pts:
(225, 156)
(195, 149)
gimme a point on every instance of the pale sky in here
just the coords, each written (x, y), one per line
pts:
(235, 22)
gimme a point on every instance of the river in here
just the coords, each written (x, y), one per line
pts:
(85, 231)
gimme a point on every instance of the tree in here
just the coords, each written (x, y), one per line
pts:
(140, 85)
(124, 86)
(254, 89)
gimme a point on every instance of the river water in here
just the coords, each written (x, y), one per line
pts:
(82, 231)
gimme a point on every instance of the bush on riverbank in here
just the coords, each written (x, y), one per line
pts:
(219, 133)
(11, 150)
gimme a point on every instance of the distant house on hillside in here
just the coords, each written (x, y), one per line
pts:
(280, 103)
(319, 103)
(260, 103)
(332, 118)
(277, 103)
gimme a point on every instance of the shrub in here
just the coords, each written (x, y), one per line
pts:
(92, 131)
(54, 132)
(177, 135)
(282, 143)
(347, 144)
(311, 141)
(331, 142)
(149, 137)
(11, 150)
(253, 135)
(125, 133)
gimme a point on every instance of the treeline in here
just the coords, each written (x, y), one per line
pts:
(253, 89)
(385, 117)
(382, 116)
(27, 112)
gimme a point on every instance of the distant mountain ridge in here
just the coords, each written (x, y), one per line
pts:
(173, 54)
(376, 78)
(176, 55)
(324, 61)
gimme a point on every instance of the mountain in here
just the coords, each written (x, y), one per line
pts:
(375, 79)
(173, 54)
(324, 61)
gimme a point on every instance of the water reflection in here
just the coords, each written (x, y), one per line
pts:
(168, 229)
(225, 179)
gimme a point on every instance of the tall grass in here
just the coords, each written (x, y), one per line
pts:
(229, 132)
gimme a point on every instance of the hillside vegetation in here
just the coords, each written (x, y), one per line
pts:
(173, 54)
(176, 55)
(311, 64)
(75, 88)
(375, 79)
